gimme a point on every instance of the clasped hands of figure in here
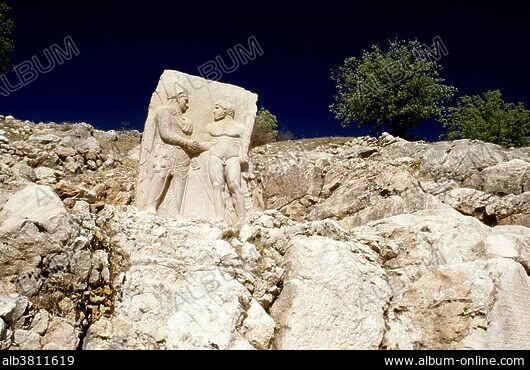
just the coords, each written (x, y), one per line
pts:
(197, 148)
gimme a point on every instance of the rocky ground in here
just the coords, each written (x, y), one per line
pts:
(363, 243)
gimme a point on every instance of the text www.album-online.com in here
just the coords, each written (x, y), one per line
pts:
(449, 361)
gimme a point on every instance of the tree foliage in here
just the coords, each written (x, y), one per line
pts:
(489, 118)
(6, 43)
(265, 129)
(400, 87)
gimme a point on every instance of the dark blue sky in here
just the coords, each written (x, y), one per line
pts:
(125, 46)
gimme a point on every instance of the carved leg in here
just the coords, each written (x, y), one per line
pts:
(233, 177)
(216, 169)
(178, 186)
(157, 192)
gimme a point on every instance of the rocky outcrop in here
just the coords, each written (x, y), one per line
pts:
(366, 179)
(175, 292)
(506, 178)
(68, 155)
(451, 277)
(341, 286)
(490, 209)
(358, 243)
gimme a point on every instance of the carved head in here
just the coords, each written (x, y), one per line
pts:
(182, 98)
(223, 109)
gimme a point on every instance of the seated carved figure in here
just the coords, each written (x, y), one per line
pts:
(228, 152)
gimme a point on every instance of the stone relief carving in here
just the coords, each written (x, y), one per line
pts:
(195, 150)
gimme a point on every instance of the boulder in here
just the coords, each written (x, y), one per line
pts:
(38, 205)
(34, 223)
(334, 297)
(449, 274)
(45, 139)
(460, 160)
(45, 176)
(490, 209)
(12, 307)
(26, 340)
(61, 335)
(474, 305)
(511, 177)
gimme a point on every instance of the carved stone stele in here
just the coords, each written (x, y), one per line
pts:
(195, 147)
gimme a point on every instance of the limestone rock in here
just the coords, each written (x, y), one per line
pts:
(45, 176)
(12, 307)
(38, 205)
(117, 334)
(100, 270)
(65, 152)
(334, 297)
(511, 209)
(371, 243)
(365, 199)
(45, 139)
(40, 322)
(505, 329)
(290, 176)
(134, 154)
(23, 171)
(490, 209)
(511, 242)
(61, 335)
(111, 135)
(87, 195)
(511, 177)
(26, 340)
(460, 159)
(35, 241)
(174, 291)
(72, 166)
(3, 329)
(258, 327)
(468, 201)
(434, 250)
(436, 312)
(394, 177)
(65, 189)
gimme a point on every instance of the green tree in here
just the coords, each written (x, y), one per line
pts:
(265, 129)
(489, 118)
(6, 43)
(400, 87)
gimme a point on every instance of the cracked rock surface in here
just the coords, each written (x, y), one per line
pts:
(354, 243)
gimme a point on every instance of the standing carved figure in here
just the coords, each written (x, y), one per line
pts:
(170, 156)
(228, 153)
